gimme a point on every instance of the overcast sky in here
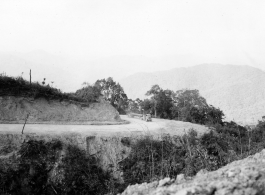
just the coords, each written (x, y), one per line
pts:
(228, 32)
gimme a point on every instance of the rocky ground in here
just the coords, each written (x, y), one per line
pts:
(243, 177)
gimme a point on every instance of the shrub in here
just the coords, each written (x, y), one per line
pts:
(152, 159)
(31, 172)
(82, 175)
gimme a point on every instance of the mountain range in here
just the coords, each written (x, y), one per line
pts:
(68, 73)
(237, 90)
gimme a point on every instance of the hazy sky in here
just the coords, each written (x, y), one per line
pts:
(228, 32)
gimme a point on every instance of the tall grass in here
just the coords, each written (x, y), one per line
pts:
(17, 86)
(151, 159)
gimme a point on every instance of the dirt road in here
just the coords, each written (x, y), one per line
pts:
(136, 126)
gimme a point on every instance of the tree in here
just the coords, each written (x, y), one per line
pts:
(154, 91)
(164, 104)
(133, 106)
(88, 92)
(161, 101)
(258, 133)
(113, 93)
(189, 98)
(188, 104)
(197, 115)
(146, 105)
(214, 115)
(191, 107)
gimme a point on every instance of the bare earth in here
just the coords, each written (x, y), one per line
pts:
(135, 126)
(242, 177)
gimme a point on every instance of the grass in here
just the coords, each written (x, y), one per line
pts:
(19, 87)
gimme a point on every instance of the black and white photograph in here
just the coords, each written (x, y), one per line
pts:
(132, 97)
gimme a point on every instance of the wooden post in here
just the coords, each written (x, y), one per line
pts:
(25, 122)
(30, 76)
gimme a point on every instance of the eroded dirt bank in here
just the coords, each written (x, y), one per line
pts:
(109, 150)
(242, 177)
(15, 110)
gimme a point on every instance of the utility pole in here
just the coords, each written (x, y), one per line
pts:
(30, 76)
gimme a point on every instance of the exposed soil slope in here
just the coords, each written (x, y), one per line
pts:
(15, 110)
(245, 176)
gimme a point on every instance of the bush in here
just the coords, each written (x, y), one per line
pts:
(82, 175)
(152, 159)
(31, 172)
(89, 93)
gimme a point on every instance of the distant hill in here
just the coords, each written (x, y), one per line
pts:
(237, 90)
(68, 74)
(42, 65)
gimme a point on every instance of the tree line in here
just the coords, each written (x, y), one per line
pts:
(184, 105)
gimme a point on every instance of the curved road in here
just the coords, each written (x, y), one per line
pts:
(136, 126)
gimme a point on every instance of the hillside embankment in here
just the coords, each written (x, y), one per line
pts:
(42, 111)
(106, 142)
(242, 177)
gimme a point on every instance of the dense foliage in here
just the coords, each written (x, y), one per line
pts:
(90, 93)
(184, 105)
(113, 93)
(152, 159)
(39, 170)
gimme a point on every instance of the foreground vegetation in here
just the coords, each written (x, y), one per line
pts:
(40, 169)
(152, 159)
